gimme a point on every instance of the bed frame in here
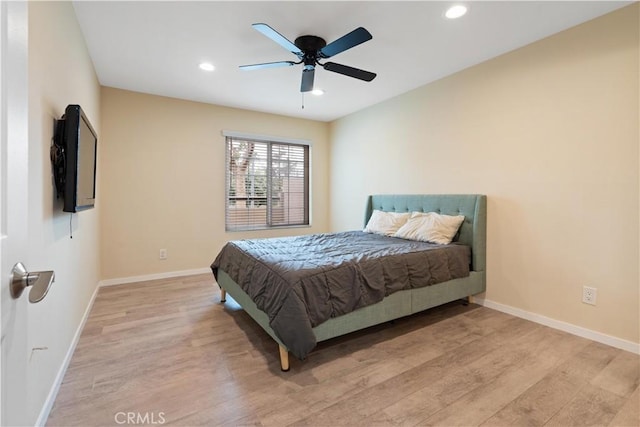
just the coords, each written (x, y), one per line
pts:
(473, 233)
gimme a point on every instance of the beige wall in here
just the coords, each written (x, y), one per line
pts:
(60, 73)
(550, 133)
(163, 172)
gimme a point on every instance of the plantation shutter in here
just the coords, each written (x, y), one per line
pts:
(267, 184)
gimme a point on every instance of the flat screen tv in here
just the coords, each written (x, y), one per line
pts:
(73, 155)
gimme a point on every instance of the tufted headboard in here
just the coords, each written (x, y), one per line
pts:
(473, 231)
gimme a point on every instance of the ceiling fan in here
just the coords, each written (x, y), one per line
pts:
(311, 49)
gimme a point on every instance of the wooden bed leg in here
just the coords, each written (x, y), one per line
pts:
(223, 295)
(284, 359)
(468, 300)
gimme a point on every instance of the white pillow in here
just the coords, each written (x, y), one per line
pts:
(386, 223)
(430, 227)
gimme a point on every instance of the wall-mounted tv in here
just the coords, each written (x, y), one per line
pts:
(74, 153)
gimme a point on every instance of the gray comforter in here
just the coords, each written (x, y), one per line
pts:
(300, 282)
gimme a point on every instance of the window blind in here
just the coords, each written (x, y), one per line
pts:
(267, 184)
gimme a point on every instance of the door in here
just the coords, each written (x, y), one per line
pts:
(13, 209)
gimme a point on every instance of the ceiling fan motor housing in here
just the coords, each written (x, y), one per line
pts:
(310, 46)
(310, 43)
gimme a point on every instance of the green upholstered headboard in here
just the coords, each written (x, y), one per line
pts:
(473, 231)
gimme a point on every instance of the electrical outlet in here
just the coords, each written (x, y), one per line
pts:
(163, 254)
(589, 295)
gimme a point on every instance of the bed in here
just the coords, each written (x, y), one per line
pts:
(380, 295)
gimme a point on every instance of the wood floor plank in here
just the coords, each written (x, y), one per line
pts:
(168, 348)
(629, 415)
(593, 406)
(484, 401)
(477, 391)
(540, 402)
(621, 376)
(372, 399)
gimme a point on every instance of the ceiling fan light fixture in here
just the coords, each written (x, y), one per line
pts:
(317, 92)
(206, 66)
(456, 11)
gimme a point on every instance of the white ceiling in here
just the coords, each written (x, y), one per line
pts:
(155, 47)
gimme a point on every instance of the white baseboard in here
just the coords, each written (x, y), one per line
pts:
(51, 397)
(147, 277)
(562, 326)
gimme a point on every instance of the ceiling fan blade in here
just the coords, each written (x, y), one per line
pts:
(267, 65)
(278, 38)
(354, 38)
(307, 80)
(349, 71)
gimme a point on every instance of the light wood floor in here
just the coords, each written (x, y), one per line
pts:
(169, 352)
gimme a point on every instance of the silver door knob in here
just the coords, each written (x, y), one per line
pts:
(39, 280)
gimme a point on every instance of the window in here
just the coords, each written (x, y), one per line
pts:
(267, 184)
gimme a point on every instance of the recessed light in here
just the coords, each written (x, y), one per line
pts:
(317, 92)
(206, 66)
(455, 11)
